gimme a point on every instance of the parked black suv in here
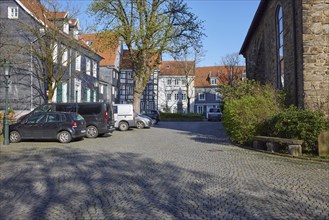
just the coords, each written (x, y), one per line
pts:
(63, 126)
(98, 115)
(154, 114)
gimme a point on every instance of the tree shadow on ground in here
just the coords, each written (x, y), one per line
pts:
(65, 183)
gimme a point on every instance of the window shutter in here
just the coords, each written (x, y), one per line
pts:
(59, 97)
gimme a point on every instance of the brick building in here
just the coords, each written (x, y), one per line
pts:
(288, 44)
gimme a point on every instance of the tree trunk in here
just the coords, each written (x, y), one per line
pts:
(188, 104)
(137, 102)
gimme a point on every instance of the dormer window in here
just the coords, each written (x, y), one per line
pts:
(89, 43)
(12, 12)
(167, 67)
(213, 81)
(66, 27)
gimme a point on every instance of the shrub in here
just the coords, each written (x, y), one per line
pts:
(246, 105)
(297, 124)
(248, 87)
(243, 117)
(181, 117)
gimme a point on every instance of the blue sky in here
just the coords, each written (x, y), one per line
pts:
(226, 24)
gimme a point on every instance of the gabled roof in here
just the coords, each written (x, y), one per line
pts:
(45, 17)
(204, 74)
(125, 61)
(100, 45)
(177, 68)
(254, 24)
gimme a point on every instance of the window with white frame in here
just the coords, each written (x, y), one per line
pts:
(78, 62)
(213, 81)
(176, 82)
(88, 63)
(12, 12)
(184, 96)
(202, 96)
(168, 82)
(64, 56)
(88, 95)
(94, 69)
(176, 95)
(55, 52)
(200, 109)
(64, 92)
(168, 96)
(77, 90)
(218, 96)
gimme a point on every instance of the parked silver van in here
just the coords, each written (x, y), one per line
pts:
(124, 116)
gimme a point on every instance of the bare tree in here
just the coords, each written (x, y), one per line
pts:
(149, 28)
(232, 64)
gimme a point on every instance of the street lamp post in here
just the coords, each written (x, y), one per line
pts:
(6, 67)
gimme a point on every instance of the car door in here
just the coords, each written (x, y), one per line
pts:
(52, 125)
(32, 127)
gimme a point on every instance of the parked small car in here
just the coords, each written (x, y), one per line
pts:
(154, 114)
(63, 126)
(214, 114)
(143, 121)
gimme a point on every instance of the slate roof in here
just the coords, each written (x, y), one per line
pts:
(45, 17)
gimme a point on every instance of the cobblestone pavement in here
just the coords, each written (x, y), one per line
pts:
(171, 171)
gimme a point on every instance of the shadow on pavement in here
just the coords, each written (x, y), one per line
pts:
(204, 132)
(66, 183)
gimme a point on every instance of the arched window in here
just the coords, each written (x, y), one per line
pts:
(279, 48)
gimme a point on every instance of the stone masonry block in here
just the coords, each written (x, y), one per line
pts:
(323, 143)
(270, 146)
(295, 150)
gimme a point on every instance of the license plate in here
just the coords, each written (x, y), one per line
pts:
(83, 131)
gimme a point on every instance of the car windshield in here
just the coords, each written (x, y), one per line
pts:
(214, 110)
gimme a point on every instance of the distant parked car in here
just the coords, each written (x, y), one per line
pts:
(63, 126)
(214, 114)
(155, 114)
(143, 121)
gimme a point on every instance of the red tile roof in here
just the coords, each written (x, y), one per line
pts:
(221, 73)
(177, 67)
(105, 45)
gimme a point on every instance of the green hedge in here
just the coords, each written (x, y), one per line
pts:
(297, 124)
(181, 117)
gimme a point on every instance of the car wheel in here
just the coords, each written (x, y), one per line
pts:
(92, 132)
(64, 137)
(123, 126)
(140, 124)
(15, 137)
